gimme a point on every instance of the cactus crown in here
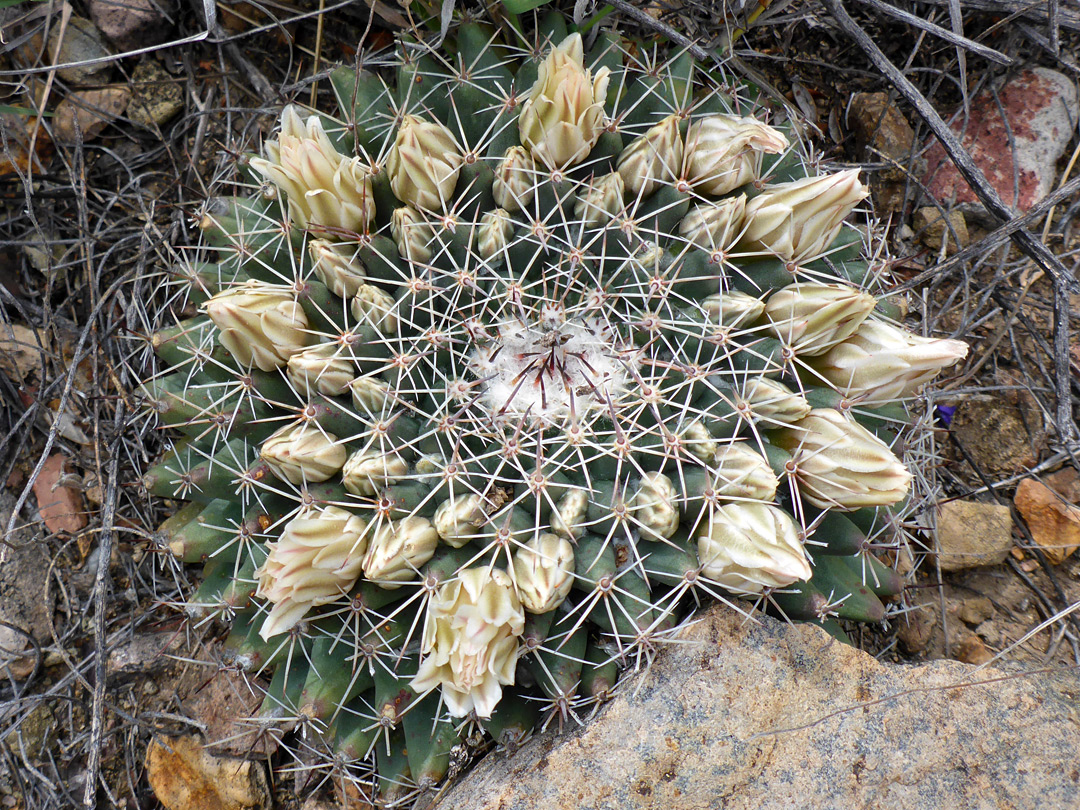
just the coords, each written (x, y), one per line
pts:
(499, 370)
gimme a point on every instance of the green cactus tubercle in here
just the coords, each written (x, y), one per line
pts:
(505, 368)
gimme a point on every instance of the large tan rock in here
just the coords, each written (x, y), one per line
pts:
(971, 534)
(760, 716)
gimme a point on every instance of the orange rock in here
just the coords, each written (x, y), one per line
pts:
(1053, 523)
(185, 775)
(972, 651)
(61, 507)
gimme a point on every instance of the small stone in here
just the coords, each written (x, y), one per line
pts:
(971, 534)
(20, 352)
(972, 651)
(131, 24)
(989, 632)
(143, 654)
(930, 227)
(1066, 483)
(915, 629)
(61, 507)
(1017, 151)
(156, 97)
(1053, 523)
(185, 775)
(82, 43)
(882, 134)
(82, 115)
(976, 610)
(994, 435)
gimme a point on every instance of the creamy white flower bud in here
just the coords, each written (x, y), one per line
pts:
(470, 641)
(516, 178)
(563, 117)
(316, 560)
(570, 514)
(494, 234)
(653, 159)
(324, 186)
(601, 201)
(743, 473)
(747, 547)
(724, 152)
(397, 549)
(377, 308)
(424, 164)
(458, 519)
(337, 266)
(714, 225)
(655, 506)
(322, 369)
(412, 233)
(259, 324)
(698, 441)
(543, 572)
(812, 318)
(799, 220)
(839, 464)
(303, 453)
(370, 395)
(773, 402)
(733, 308)
(880, 363)
(367, 472)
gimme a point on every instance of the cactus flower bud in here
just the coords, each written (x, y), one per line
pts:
(733, 308)
(742, 473)
(812, 318)
(839, 464)
(337, 267)
(316, 560)
(570, 513)
(369, 395)
(412, 234)
(493, 236)
(376, 307)
(798, 221)
(470, 642)
(773, 402)
(747, 547)
(655, 506)
(544, 572)
(714, 225)
(601, 201)
(260, 324)
(515, 179)
(880, 363)
(424, 163)
(724, 152)
(653, 159)
(563, 117)
(368, 471)
(458, 519)
(698, 441)
(397, 550)
(322, 370)
(324, 186)
(303, 453)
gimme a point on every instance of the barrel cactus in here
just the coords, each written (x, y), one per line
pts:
(500, 371)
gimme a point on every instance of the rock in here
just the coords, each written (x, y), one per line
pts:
(915, 629)
(61, 507)
(1053, 523)
(1040, 115)
(1066, 483)
(187, 776)
(25, 600)
(143, 654)
(752, 716)
(976, 610)
(82, 43)
(131, 24)
(972, 651)
(882, 134)
(21, 349)
(971, 534)
(994, 435)
(930, 228)
(82, 115)
(157, 96)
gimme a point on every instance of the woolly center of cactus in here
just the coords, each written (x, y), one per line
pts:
(553, 369)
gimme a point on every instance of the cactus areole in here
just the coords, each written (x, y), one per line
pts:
(504, 367)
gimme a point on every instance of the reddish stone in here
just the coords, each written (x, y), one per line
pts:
(61, 507)
(1040, 112)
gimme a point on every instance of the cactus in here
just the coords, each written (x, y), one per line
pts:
(504, 368)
